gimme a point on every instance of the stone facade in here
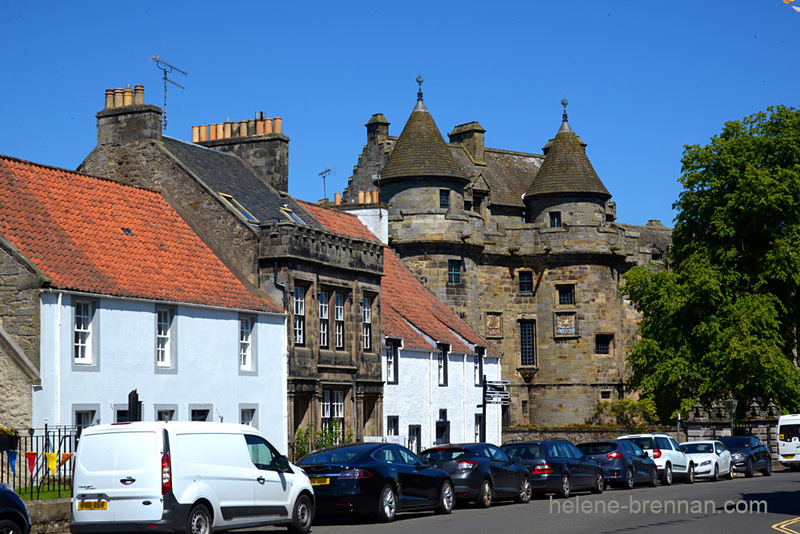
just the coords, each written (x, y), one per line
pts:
(20, 284)
(525, 248)
(231, 189)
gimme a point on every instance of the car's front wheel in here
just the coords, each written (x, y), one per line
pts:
(715, 476)
(9, 527)
(446, 498)
(302, 515)
(690, 474)
(199, 521)
(387, 504)
(484, 499)
(525, 490)
(654, 478)
(768, 471)
(749, 470)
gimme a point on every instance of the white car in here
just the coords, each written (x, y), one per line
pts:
(711, 459)
(667, 454)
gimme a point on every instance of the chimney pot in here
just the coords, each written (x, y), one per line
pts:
(212, 132)
(251, 127)
(360, 197)
(109, 98)
(243, 129)
(203, 132)
(267, 126)
(118, 97)
(278, 125)
(220, 130)
(337, 199)
(138, 95)
(227, 129)
(127, 96)
(368, 197)
(195, 134)
(259, 127)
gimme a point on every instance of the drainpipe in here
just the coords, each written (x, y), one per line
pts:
(280, 286)
(57, 359)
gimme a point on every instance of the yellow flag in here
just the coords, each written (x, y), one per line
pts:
(52, 458)
(64, 457)
(788, 1)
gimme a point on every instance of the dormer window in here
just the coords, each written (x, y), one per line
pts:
(292, 216)
(233, 203)
(555, 219)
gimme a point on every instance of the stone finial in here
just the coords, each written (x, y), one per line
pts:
(564, 103)
(420, 79)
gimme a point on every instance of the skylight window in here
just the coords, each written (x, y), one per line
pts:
(238, 207)
(292, 215)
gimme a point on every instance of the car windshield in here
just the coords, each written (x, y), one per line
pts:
(443, 455)
(531, 451)
(736, 444)
(643, 443)
(597, 448)
(334, 456)
(692, 448)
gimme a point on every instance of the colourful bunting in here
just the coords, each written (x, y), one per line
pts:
(31, 456)
(12, 461)
(64, 457)
(52, 459)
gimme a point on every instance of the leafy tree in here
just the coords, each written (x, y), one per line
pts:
(724, 319)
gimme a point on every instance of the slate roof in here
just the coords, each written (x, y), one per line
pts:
(94, 235)
(507, 173)
(420, 150)
(566, 169)
(408, 309)
(226, 173)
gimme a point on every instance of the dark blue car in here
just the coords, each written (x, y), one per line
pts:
(14, 516)
(557, 466)
(624, 463)
(375, 478)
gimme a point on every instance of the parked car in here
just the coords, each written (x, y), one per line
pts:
(557, 466)
(711, 459)
(192, 476)
(481, 472)
(376, 478)
(749, 455)
(14, 515)
(624, 463)
(670, 460)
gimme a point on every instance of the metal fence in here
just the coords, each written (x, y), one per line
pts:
(39, 460)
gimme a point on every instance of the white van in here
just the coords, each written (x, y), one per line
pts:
(181, 476)
(789, 440)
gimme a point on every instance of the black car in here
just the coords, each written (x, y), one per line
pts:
(748, 455)
(14, 515)
(375, 478)
(624, 463)
(481, 472)
(557, 466)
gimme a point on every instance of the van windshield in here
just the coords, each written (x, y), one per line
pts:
(789, 432)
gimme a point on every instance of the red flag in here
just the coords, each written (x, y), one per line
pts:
(31, 456)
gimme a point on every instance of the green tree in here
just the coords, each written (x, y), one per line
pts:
(725, 318)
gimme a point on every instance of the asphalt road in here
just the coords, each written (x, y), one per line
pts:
(747, 505)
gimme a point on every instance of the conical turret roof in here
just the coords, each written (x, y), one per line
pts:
(566, 170)
(421, 151)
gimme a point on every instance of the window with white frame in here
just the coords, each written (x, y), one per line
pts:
(392, 361)
(442, 364)
(246, 343)
(338, 311)
(332, 413)
(477, 368)
(299, 315)
(246, 416)
(366, 321)
(392, 425)
(83, 332)
(323, 319)
(414, 438)
(163, 323)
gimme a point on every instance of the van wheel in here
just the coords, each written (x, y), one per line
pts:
(9, 527)
(302, 516)
(199, 521)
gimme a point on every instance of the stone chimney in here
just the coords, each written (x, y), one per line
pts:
(262, 145)
(470, 136)
(377, 129)
(126, 118)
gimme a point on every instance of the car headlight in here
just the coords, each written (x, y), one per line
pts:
(707, 462)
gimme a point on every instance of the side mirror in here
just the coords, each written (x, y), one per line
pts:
(282, 463)
(645, 454)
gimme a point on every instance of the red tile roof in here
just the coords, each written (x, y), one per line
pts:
(93, 235)
(408, 309)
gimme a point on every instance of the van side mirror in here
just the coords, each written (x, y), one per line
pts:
(282, 463)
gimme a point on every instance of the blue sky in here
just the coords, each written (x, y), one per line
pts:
(642, 78)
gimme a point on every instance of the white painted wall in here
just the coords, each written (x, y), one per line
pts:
(417, 397)
(207, 350)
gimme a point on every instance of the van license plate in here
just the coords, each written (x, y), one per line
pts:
(788, 456)
(319, 481)
(92, 505)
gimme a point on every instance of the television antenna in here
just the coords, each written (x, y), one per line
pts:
(167, 68)
(324, 174)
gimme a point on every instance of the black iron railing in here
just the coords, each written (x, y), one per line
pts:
(37, 462)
